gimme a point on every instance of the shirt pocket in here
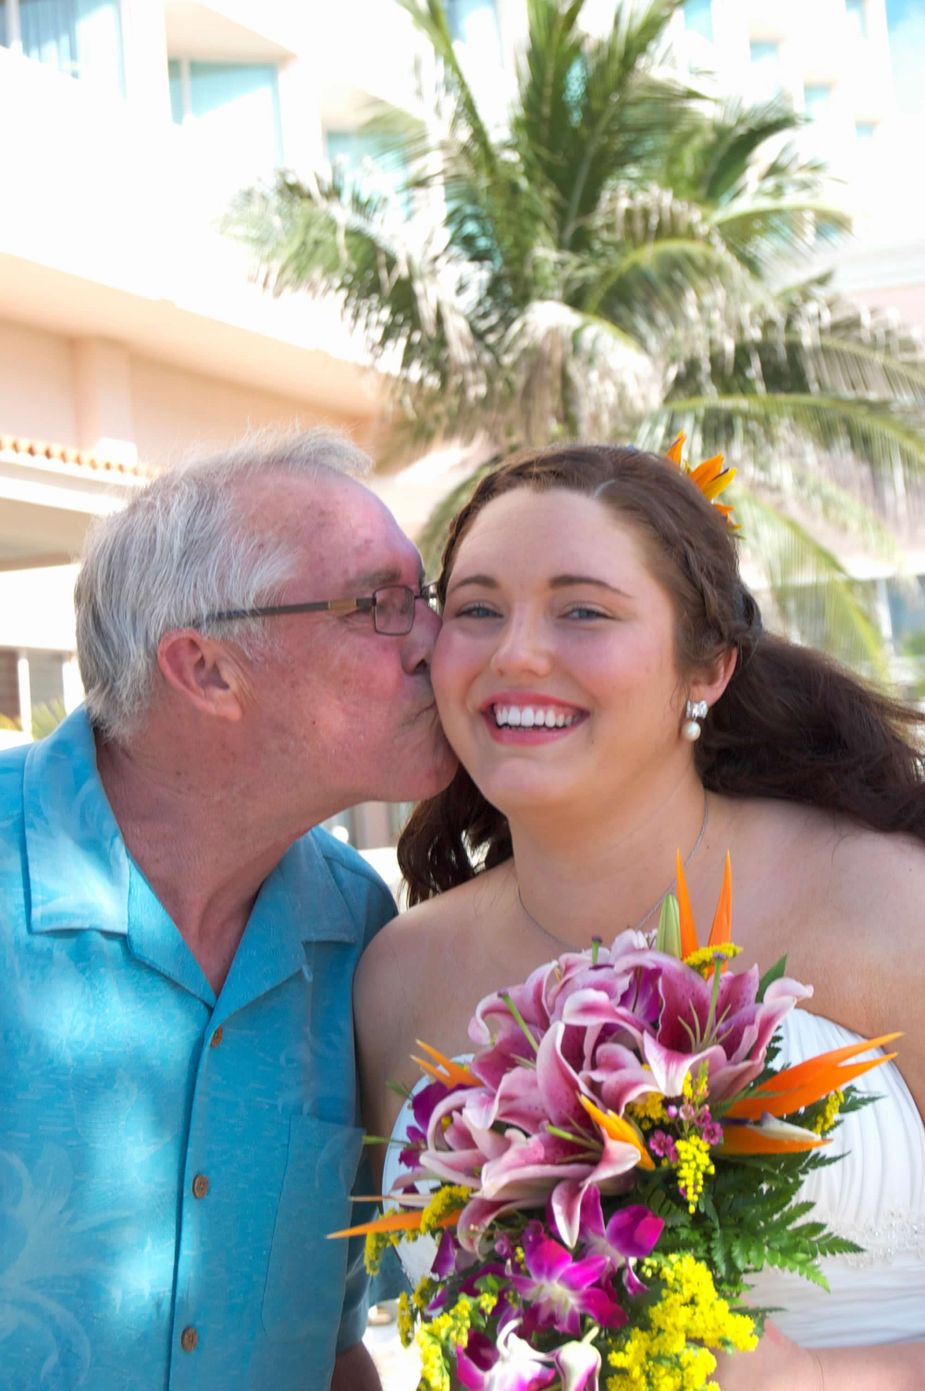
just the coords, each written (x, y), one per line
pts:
(304, 1292)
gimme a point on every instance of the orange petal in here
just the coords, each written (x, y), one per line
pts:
(397, 1222)
(708, 470)
(618, 1129)
(674, 453)
(802, 1072)
(721, 931)
(460, 1076)
(749, 1139)
(790, 1099)
(718, 485)
(688, 927)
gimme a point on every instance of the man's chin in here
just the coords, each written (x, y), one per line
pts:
(435, 775)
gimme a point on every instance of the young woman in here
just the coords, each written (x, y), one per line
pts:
(594, 624)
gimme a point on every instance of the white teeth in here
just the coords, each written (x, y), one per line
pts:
(531, 717)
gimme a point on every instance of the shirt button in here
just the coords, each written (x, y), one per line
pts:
(200, 1186)
(217, 1037)
(188, 1339)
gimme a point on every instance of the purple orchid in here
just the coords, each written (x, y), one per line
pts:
(631, 1234)
(514, 1366)
(422, 1106)
(511, 1365)
(560, 1290)
(578, 1365)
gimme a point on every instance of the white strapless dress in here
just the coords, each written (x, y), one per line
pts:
(875, 1196)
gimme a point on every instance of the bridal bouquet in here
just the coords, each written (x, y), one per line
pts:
(618, 1156)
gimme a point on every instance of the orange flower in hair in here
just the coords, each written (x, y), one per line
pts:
(711, 477)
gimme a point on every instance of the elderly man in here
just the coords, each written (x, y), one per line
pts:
(178, 1117)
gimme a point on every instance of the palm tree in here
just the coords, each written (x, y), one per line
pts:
(622, 258)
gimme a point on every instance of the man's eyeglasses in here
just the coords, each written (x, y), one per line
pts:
(392, 607)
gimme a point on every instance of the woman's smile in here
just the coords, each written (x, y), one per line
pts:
(529, 717)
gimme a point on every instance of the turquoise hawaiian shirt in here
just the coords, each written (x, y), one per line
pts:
(170, 1163)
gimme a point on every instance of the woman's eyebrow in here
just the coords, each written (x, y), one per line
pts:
(557, 582)
(565, 581)
(483, 581)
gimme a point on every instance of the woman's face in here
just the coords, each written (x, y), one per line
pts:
(555, 670)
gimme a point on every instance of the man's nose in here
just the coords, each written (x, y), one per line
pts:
(419, 644)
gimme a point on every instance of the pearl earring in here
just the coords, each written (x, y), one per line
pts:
(695, 711)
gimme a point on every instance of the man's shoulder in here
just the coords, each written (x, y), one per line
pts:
(12, 764)
(366, 893)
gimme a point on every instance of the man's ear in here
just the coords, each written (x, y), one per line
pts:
(713, 679)
(205, 671)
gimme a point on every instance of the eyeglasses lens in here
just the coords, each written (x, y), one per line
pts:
(393, 612)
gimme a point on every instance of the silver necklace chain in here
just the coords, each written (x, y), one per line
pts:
(637, 927)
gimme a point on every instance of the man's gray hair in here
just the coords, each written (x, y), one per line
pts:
(184, 548)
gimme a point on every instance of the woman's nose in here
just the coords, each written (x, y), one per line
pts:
(522, 647)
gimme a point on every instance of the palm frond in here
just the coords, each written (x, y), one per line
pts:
(621, 256)
(814, 598)
(874, 433)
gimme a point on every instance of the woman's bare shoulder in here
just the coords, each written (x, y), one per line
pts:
(849, 862)
(408, 949)
(826, 874)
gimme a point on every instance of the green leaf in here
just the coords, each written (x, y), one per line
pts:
(773, 973)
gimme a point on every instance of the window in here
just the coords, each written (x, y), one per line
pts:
(766, 68)
(865, 130)
(698, 17)
(763, 51)
(371, 164)
(233, 111)
(906, 599)
(80, 37)
(472, 20)
(474, 24)
(817, 98)
(857, 18)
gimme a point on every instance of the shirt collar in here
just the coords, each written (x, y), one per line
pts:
(78, 865)
(79, 868)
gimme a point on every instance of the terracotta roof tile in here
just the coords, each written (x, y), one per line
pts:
(67, 454)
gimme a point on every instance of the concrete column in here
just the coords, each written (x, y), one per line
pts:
(103, 399)
(25, 693)
(144, 41)
(73, 686)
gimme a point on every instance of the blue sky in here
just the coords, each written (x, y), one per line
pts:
(906, 19)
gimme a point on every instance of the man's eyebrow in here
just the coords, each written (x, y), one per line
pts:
(372, 579)
(557, 582)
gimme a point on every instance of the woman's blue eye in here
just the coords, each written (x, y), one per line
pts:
(583, 611)
(476, 611)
